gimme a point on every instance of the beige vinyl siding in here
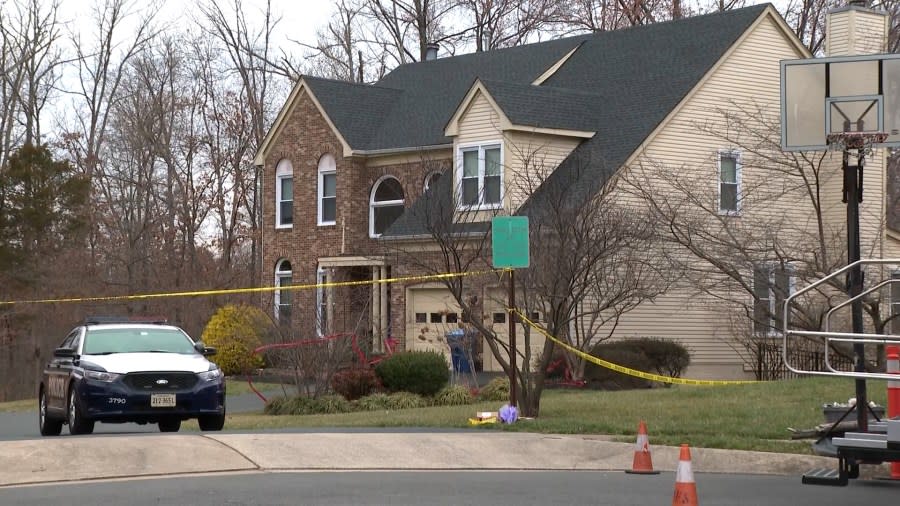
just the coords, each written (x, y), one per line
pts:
(480, 122)
(837, 42)
(530, 158)
(748, 76)
(527, 157)
(854, 32)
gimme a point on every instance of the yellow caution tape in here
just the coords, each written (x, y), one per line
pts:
(627, 370)
(230, 291)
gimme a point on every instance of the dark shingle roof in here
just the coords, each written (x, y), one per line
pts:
(619, 84)
(357, 110)
(545, 106)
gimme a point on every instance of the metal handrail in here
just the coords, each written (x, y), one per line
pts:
(837, 336)
(827, 323)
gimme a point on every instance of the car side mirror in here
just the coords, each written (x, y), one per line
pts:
(64, 353)
(204, 350)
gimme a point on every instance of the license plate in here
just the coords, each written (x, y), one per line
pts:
(162, 400)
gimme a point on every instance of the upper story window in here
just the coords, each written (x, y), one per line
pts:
(284, 194)
(480, 169)
(327, 193)
(283, 277)
(385, 205)
(771, 287)
(729, 182)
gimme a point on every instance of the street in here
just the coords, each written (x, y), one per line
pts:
(448, 488)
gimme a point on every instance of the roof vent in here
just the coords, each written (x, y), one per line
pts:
(431, 51)
(858, 3)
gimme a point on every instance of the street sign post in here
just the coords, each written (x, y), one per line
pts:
(510, 250)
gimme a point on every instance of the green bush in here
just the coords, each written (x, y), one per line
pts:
(354, 383)
(668, 357)
(648, 354)
(419, 372)
(496, 390)
(453, 395)
(235, 331)
(405, 400)
(374, 402)
(303, 405)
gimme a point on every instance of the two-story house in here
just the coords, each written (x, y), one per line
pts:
(344, 163)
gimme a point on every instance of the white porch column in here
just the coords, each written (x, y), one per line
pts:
(376, 310)
(383, 310)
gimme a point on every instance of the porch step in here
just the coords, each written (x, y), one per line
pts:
(824, 476)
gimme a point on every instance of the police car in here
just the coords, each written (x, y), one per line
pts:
(114, 370)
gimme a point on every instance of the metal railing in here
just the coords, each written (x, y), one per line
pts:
(843, 337)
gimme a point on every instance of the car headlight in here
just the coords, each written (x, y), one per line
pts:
(106, 377)
(211, 375)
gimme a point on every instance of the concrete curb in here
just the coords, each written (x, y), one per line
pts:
(88, 458)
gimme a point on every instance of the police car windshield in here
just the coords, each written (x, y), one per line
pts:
(136, 340)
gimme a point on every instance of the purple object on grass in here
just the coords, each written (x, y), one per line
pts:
(508, 414)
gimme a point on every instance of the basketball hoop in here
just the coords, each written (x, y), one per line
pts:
(865, 141)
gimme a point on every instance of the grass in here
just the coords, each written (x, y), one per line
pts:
(744, 417)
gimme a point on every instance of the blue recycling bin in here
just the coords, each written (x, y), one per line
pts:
(460, 350)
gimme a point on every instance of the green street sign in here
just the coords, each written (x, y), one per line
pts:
(509, 242)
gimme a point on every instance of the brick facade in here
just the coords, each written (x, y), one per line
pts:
(304, 138)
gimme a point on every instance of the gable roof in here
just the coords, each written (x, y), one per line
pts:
(357, 110)
(621, 85)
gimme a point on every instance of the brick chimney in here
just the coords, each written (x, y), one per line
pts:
(855, 29)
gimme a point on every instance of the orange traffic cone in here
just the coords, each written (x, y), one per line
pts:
(642, 463)
(685, 487)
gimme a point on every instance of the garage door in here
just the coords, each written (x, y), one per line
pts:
(431, 313)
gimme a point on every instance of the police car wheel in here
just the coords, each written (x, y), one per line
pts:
(77, 423)
(211, 422)
(48, 426)
(169, 425)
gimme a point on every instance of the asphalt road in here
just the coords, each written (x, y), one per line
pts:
(449, 488)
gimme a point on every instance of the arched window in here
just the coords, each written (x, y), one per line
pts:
(431, 178)
(327, 190)
(283, 277)
(284, 194)
(385, 205)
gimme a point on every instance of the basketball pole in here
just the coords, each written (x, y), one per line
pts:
(853, 189)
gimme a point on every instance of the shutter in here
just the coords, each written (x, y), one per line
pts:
(761, 316)
(782, 290)
(895, 303)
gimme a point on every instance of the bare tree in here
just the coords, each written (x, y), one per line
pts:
(807, 19)
(590, 262)
(404, 28)
(506, 23)
(30, 58)
(248, 50)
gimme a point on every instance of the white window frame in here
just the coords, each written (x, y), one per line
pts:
(729, 153)
(776, 309)
(480, 147)
(284, 170)
(280, 275)
(385, 203)
(326, 169)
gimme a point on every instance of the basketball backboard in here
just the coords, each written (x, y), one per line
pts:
(822, 96)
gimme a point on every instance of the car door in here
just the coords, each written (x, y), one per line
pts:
(58, 371)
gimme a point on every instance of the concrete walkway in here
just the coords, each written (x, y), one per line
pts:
(86, 458)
